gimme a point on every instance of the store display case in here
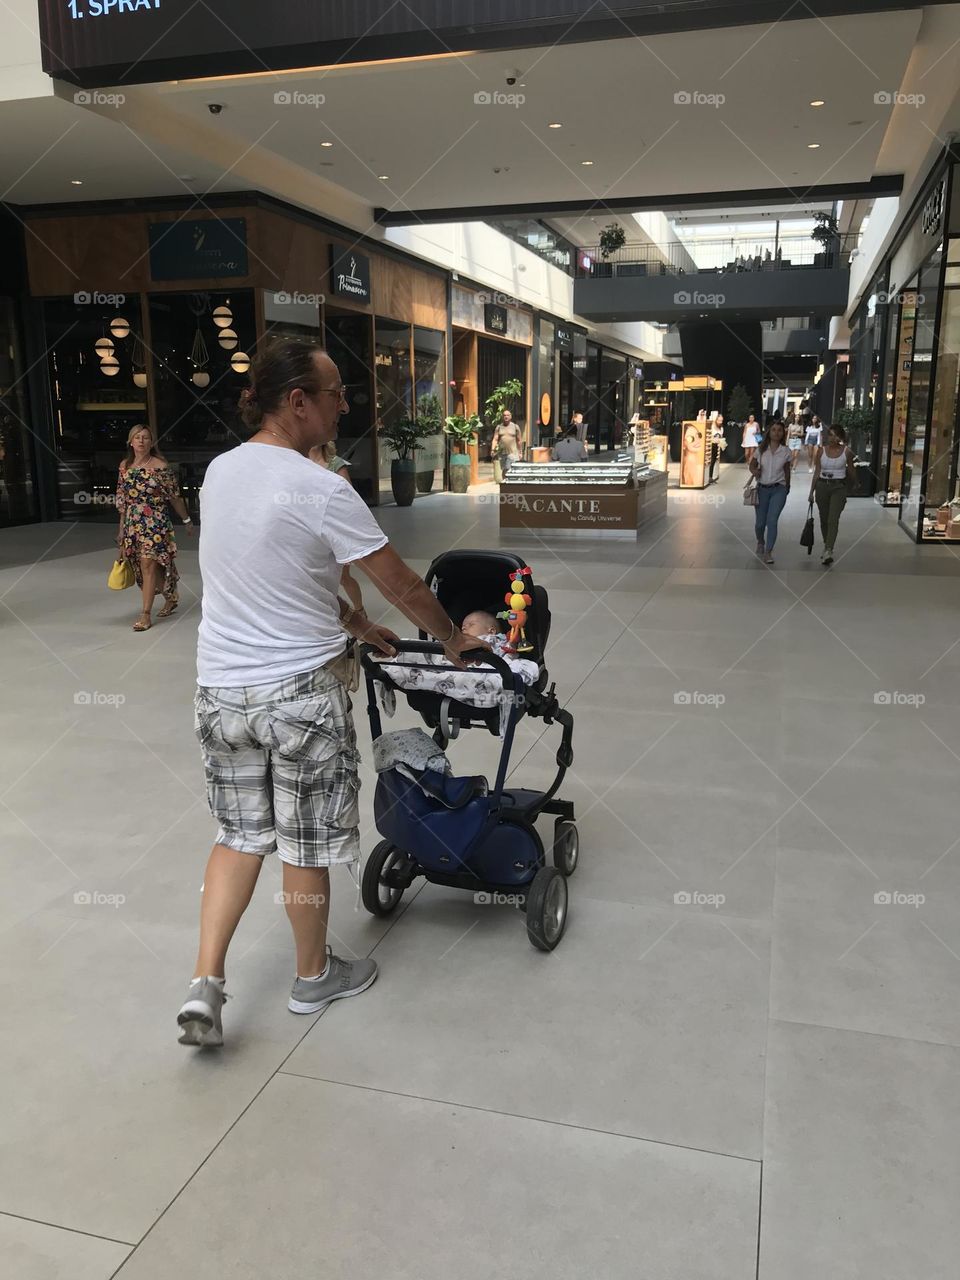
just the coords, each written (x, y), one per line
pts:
(650, 450)
(593, 497)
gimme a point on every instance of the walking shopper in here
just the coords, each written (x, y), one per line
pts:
(833, 472)
(506, 442)
(751, 432)
(147, 486)
(272, 714)
(771, 467)
(813, 439)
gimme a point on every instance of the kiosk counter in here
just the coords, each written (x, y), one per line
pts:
(592, 497)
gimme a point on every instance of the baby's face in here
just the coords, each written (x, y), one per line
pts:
(479, 624)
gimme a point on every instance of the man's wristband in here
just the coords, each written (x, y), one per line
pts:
(453, 632)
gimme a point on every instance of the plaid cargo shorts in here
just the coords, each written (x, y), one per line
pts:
(281, 767)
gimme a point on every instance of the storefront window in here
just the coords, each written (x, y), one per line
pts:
(348, 342)
(429, 379)
(912, 496)
(941, 483)
(18, 497)
(589, 390)
(98, 387)
(890, 375)
(394, 387)
(613, 378)
(545, 408)
(901, 395)
(202, 345)
(291, 315)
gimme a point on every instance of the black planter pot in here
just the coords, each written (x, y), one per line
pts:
(424, 481)
(403, 481)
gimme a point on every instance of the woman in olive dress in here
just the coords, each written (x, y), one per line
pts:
(147, 488)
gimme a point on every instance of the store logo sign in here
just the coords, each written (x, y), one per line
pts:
(564, 338)
(350, 274)
(198, 249)
(932, 215)
(494, 318)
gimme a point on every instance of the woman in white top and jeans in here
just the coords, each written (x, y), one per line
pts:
(834, 464)
(771, 467)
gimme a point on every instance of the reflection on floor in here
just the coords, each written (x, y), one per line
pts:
(758, 982)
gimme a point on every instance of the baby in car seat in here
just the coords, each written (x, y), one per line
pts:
(484, 626)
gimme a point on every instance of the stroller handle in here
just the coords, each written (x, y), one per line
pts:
(372, 668)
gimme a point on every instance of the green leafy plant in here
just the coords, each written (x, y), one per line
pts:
(612, 238)
(460, 429)
(826, 232)
(503, 397)
(858, 424)
(739, 404)
(403, 436)
(430, 413)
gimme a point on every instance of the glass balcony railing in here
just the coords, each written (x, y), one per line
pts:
(718, 257)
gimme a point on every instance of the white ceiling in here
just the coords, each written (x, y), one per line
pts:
(418, 123)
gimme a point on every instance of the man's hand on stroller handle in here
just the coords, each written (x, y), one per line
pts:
(457, 644)
(399, 584)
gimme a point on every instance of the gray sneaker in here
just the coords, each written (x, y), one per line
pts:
(343, 978)
(199, 1016)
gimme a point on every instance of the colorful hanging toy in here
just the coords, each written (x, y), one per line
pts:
(516, 615)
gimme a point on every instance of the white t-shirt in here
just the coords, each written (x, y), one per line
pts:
(772, 462)
(275, 529)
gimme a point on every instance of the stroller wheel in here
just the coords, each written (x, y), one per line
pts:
(381, 899)
(566, 846)
(547, 908)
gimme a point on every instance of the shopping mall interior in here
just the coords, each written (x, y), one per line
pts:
(705, 911)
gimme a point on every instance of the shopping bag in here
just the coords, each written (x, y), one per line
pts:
(121, 576)
(806, 538)
(750, 495)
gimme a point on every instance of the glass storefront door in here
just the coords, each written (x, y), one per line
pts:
(18, 496)
(394, 388)
(912, 495)
(348, 341)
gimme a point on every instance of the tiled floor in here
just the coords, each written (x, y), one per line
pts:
(735, 1006)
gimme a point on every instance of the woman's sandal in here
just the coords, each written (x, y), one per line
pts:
(170, 606)
(140, 625)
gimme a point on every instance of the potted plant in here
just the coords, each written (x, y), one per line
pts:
(430, 422)
(612, 238)
(500, 398)
(827, 235)
(858, 425)
(403, 437)
(461, 431)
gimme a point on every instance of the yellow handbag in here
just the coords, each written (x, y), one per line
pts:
(121, 576)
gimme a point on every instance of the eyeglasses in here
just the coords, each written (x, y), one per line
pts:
(340, 392)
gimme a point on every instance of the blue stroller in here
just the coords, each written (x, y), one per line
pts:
(458, 831)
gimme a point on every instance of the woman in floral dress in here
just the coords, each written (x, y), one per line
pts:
(147, 485)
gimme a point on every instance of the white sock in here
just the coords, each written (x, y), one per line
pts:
(209, 978)
(326, 970)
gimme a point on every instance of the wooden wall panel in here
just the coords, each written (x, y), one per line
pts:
(402, 292)
(109, 253)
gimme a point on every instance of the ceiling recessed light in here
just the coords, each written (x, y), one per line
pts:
(326, 144)
(186, 177)
(817, 102)
(554, 124)
(812, 146)
(586, 162)
(384, 177)
(76, 182)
